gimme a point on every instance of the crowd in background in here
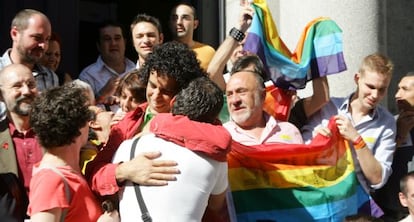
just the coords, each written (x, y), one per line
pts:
(150, 138)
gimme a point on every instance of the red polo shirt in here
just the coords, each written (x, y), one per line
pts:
(28, 152)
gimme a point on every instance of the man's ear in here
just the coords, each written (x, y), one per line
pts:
(161, 38)
(13, 33)
(94, 125)
(403, 199)
(357, 76)
(172, 101)
(196, 23)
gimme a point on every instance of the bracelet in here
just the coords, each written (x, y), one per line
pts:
(237, 34)
(359, 143)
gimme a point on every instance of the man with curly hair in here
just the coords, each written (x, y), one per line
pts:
(166, 71)
(190, 135)
(60, 118)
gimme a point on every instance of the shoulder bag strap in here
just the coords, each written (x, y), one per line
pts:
(146, 217)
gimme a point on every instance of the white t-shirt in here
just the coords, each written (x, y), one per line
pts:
(182, 200)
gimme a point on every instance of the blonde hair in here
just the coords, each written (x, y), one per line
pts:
(377, 63)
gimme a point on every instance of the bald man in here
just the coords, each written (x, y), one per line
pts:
(30, 32)
(19, 149)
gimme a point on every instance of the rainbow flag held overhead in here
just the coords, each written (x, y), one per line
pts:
(318, 50)
(297, 182)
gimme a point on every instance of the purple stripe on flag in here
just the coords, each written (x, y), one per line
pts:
(255, 45)
(326, 65)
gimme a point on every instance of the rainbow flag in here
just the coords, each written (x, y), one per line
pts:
(297, 182)
(318, 50)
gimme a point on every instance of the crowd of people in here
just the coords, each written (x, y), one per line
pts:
(150, 138)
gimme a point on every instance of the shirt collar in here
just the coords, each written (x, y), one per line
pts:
(6, 57)
(15, 132)
(269, 121)
(344, 108)
(102, 65)
(37, 69)
(148, 116)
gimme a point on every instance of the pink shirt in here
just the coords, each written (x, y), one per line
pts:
(28, 152)
(274, 132)
(48, 192)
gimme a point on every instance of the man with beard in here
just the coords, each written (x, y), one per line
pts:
(30, 32)
(249, 124)
(387, 196)
(19, 147)
(183, 22)
(245, 92)
(167, 70)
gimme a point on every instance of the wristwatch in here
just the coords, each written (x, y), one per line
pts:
(237, 34)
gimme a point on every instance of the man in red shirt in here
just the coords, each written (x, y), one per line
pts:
(19, 148)
(166, 71)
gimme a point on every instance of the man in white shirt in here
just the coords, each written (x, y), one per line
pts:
(369, 127)
(30, 32)
(111, 64)
(146, 33)
(188, 136)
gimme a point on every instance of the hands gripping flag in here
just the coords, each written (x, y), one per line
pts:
(297, 182)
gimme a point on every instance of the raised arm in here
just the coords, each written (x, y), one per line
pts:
(221, 57)
(304, 108)
(319, 97)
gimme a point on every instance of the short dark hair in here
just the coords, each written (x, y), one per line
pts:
(108, 23)
(200, 101)
(258, 70)
(244, 61)
(146, 18)
(58, 115)
(186, 4)
(175, 60)
(21, 19)
(134, 83)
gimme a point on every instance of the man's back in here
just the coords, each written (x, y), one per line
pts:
(182, 200)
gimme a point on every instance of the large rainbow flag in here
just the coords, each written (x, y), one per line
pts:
(288, 182)
(318, 50)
